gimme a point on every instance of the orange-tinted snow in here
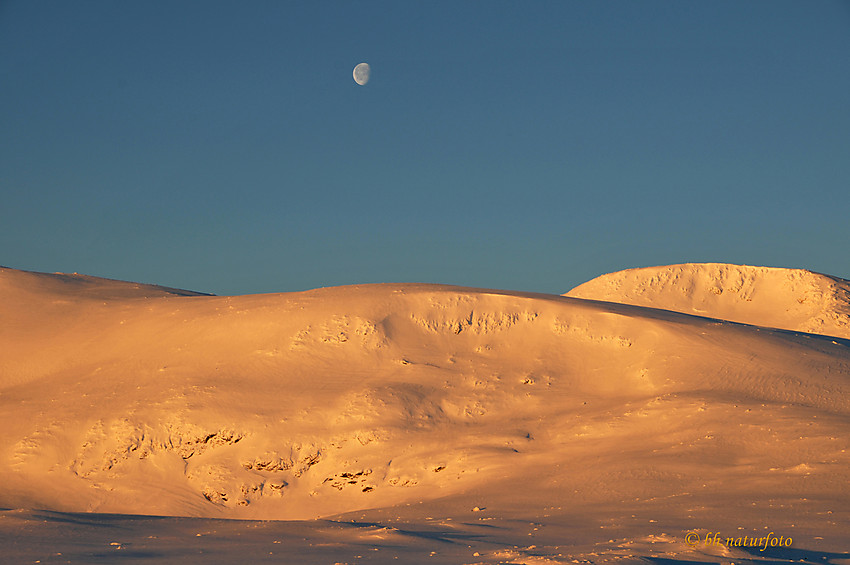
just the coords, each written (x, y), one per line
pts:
(591, 430)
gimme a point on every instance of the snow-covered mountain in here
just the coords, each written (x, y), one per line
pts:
(610, 421)
(792, 299)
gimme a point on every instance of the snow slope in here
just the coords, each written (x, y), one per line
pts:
(792, 299)
(414, 419)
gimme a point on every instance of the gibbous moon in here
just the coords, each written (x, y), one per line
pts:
(361, 73)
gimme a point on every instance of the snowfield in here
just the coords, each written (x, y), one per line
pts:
(428, 423)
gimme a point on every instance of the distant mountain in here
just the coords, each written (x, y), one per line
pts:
(14, 281)
(791, 299)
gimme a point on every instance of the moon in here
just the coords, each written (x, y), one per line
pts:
(361, 73)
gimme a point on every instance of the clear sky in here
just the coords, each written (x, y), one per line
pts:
(225, 147)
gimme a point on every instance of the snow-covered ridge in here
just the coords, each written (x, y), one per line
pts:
(792, 299)
(14, 281)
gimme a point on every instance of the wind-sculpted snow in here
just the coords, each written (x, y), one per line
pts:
(314, 404)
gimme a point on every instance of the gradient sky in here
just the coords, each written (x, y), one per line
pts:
(224, 146)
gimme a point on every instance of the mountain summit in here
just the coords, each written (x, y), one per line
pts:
(791, 299)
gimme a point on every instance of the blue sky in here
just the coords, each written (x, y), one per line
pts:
(224, 146)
